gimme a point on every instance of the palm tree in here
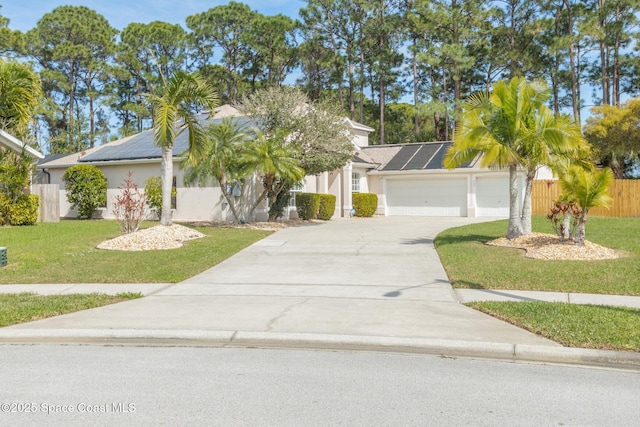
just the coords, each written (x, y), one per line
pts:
(589, 189)
(553, 141)
(274, 162)
(180, 96)
(222, 159)
(234, 154)
(20, 94)
(511, 128)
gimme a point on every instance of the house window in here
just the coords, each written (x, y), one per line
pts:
(355, 182)
(295, 189)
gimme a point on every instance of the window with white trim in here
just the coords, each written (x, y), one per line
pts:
(295, 189)
(355, 182)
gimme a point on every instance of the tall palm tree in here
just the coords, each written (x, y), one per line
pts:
(174, 111)
(589, 189)
(511, 128)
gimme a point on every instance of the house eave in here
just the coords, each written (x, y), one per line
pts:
(18, 146)
(104, 162)
(364, 165)
(484, 171)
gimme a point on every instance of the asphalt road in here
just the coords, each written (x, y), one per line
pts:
(129, 385)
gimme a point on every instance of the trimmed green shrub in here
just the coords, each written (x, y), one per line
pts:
(25, 210)
(327, 206)
(307, 205)
(86, 188)
(153, 193)
(365, 204)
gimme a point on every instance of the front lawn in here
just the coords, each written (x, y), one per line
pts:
(470, 263)
(27, 307)
(65, 252)
(584, 326)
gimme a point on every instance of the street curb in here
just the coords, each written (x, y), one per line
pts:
(248, 339)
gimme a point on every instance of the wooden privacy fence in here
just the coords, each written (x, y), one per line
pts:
(625, 194)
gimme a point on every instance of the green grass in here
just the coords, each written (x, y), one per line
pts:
(27, 307)
(584, 326)
(470, 263)
(65, 252)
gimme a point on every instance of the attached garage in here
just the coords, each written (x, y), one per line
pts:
(427, 196)
(492, 196)
(414, 181)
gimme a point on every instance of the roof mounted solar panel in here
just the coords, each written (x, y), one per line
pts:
(142, 146)
(422, 157)
(399, 161)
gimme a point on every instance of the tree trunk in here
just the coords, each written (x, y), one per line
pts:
(416, 117)
(166, 175)
(92, 123)
(515, 224)
(230, 201)
(582, 224)
(382, 95)
(603, 60)
(565, 228)
(352, 100)
(526, 205)
(274, 198)
(615, 93)
(362, 75)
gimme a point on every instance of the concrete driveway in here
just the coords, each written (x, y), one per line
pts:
(375, 277)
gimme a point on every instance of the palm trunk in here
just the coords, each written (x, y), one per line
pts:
(230, 201)
(273, 199)
(526, 205)
(166, 172)
(582, 224)
(515, 225)
(565, 228)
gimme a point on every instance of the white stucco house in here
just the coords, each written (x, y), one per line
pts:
(409, 179)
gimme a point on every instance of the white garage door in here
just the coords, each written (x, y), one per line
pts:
(492, 196)
(427, 197)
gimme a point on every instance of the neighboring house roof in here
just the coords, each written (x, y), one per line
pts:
(18, 146)
(51, 157)
(66, 160)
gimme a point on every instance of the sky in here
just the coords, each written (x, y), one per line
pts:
(24, 14)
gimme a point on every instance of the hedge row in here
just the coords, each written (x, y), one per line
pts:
(313, 205)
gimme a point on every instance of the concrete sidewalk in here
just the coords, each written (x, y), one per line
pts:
(372, 283)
